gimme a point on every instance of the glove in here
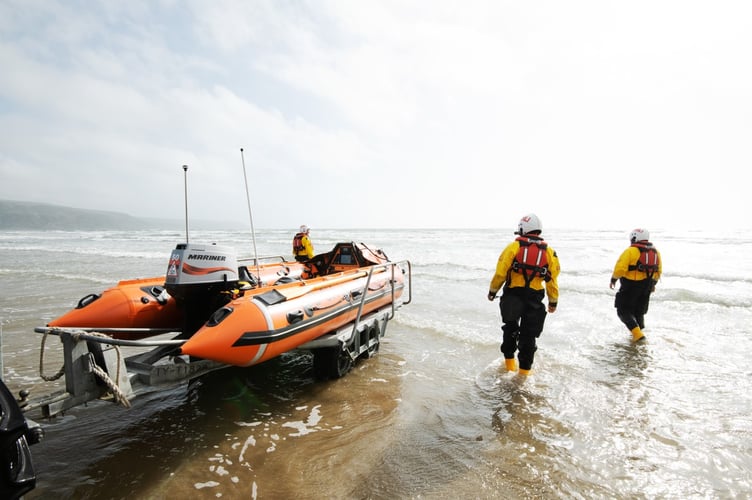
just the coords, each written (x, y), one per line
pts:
(491, 295)
(613, 282)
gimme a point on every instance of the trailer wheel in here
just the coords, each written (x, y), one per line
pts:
(331, 363)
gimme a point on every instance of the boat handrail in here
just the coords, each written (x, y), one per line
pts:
(409, 282)
(258, 260)
(383, 267)
(363, 299)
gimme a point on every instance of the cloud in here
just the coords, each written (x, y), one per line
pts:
(385, 114)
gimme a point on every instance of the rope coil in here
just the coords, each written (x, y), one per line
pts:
(114, 389)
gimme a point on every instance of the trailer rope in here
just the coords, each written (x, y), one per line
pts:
(117, 394)
(41, 364)
(114, 389)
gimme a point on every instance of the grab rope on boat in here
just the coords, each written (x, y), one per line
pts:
(117, 394)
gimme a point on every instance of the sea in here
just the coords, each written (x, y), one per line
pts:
(433, 415)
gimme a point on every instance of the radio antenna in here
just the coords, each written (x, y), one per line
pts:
(185, 183)
(250, 216)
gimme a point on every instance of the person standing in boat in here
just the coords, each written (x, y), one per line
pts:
(638, 269)
(302, 248)
(527, 269)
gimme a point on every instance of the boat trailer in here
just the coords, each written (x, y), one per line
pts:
(94, 366)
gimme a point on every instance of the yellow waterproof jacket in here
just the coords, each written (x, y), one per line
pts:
(301, 245)
(628, 259)
(504, 272)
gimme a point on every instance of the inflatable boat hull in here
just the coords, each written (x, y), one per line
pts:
(253, 329)
(141, 308)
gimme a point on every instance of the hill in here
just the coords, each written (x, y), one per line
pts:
(23, 215)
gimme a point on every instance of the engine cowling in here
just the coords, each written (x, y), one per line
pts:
(197, 277)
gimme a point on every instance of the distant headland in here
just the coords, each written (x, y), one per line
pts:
(23, 215)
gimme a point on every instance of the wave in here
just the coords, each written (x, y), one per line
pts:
(456, 327)
(83, 250)
(449, 279)
(716, 297)
(685, 295)
(52, 277)
(442, 268)
(713, 277)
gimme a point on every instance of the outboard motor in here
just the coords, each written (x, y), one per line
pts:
(200, 277)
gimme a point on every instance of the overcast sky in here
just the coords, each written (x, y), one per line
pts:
(376, 114)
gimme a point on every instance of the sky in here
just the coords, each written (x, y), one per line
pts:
(382, 114)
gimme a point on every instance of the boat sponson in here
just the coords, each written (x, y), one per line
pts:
(249, 331)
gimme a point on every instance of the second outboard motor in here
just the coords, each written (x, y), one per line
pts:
(200, 277)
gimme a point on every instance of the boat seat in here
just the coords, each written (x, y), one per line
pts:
(320, 264)
(343, 257)
(245, 275)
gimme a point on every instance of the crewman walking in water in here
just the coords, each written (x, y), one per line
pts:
(525, 268)
(638, 270)
(302, 248)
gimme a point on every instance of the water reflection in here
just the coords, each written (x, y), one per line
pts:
(630, 359)
(134, 450)
(239, 393)
(532, 437)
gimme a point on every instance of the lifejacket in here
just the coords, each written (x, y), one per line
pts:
(531, 259)
(297, 244)
(648, 260)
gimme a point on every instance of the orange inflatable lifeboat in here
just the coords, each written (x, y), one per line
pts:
(193, 288)
(125, 310)
(335, 306)
(255, 327)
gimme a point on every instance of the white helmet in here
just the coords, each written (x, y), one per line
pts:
(639, 235)
(528, 224)
(304, 229)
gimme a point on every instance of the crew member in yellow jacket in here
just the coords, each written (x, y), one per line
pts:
(526, 267)
(302, 248)
(638, 269)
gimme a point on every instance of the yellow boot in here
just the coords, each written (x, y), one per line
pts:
(525, 372)
(511, 364)
(637, 334)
